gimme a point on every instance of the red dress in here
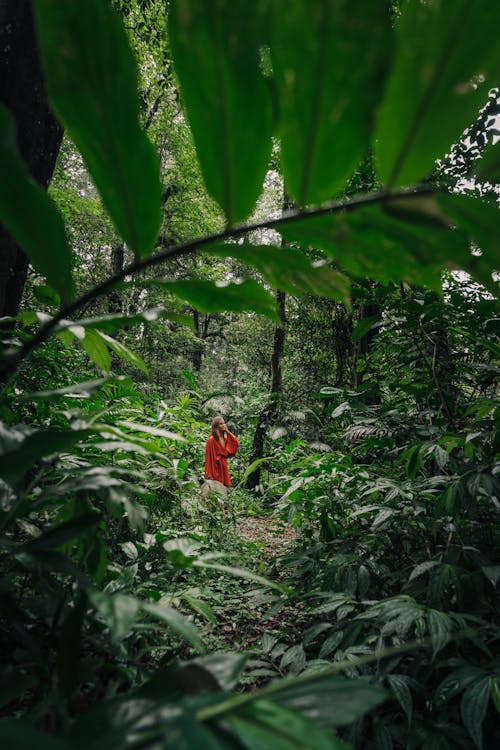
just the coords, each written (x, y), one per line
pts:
(216, 456)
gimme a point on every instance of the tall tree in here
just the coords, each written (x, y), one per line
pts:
(22, 91)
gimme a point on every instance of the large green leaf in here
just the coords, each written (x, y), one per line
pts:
(211, 297)
(64, 532)
(447, 60)
(119, 611)
(32, 448)
(215, 46)
(30, 216)
(333, 701)
(473, 708)
(289, 269)
(92, 80)
(78, 390)
(405, 239)
(329, 62)
(124, 352)
(479, 221)
(488, 167)
(177, 622)
(264, 725)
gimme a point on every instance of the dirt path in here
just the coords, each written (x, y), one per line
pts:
(276, 535)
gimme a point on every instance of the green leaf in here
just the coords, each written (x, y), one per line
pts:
(401, 691)
(119, 611)
(289, 270)
(116, 322)
(36, 446)
(423, 568)
(78, 390)
(487, 168)
(478, 220)
(329, 65)
(333, 701)
(203, 608)
(63, 533)
(406, 239)
(149, 430)
(177, 622)
(440, 627)
(447, 60)
(473, 709)
(46, 295)
(363, 326)
(236, 572)
(68, 652)
(226, 667)
(30, 216)
(92, 83)
(97, 350)
(209, 297)
(18, 734)
(124, 352)
(215, 49)
(263, 725)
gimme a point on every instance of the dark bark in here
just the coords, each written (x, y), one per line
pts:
(270, 408)
(39, 135)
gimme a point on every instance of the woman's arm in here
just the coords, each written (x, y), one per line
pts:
(232, 444)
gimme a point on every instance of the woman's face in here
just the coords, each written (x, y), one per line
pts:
(221, 426)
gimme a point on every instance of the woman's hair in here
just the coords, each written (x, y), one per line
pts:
(215, 423)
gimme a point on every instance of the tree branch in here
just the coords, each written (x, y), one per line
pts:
(12, 359)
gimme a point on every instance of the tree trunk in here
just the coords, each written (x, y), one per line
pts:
(270, 408)
(22, 91)
(117, 265)
(363, 346)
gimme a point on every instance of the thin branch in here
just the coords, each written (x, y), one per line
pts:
(12, 360)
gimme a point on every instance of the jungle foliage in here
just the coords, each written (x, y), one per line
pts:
(188, 126)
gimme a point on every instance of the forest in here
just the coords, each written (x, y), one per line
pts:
(281, 215)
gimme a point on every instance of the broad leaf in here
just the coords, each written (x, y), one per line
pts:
(63, 533)
(329, 65)
(289, 270)
(330, 700)
(116, 322)
(97, 350)
(211, 297)
(473, 708)
(177, 622)
(78, 390)
(399, 686)
(30, 216)
(119, 611)
(406, 239)
(264, 725)
(447, 60)
(479, 222)
(124, 352)
(36, 446)
(236, 572)
(68, 653)
(487, 168)
(92, 80)
(215, 48)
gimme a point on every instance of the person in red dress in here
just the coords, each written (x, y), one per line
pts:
(221, 445)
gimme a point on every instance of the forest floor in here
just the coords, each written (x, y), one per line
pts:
(275, 536)
(247, 617)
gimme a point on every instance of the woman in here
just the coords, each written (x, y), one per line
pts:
(221, 445)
